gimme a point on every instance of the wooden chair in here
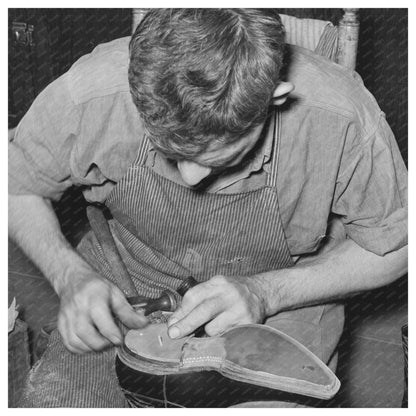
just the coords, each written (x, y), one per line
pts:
(338, 43)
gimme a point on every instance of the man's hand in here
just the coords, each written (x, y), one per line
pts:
(86, 317)
(220, 303)
(88, 302)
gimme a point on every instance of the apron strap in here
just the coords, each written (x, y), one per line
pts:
(274, 162)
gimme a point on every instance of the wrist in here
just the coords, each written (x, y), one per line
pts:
(273, 289)
(72, 271)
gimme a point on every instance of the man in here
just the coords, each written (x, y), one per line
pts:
(220, 155)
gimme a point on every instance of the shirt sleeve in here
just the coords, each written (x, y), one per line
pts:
(371, 192)
(39, 153)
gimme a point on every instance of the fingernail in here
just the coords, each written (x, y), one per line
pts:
(174, 332)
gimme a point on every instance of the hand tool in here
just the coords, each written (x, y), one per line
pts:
(103, 234)
(121, 277)
(166, 302)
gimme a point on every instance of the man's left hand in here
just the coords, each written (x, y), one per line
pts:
(220, 303)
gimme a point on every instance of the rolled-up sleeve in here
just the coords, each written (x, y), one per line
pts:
(39, 154)
(371, 192)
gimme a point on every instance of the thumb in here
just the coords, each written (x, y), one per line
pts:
(125, 312)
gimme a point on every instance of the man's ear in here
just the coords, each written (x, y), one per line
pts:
(281, 92)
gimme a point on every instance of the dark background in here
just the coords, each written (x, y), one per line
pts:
(61, 36)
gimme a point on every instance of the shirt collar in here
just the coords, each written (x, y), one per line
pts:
(264, 152)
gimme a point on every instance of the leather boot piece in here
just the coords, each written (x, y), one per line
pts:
(253, 355)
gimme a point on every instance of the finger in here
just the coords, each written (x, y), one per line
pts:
(77, 345)
(63, 331)
(88, 335)
(69, 338)
(125, 312)
(200, 315)
(193, 297)
(220, 323)
(104, 322)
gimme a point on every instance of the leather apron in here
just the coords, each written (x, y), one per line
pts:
(166, 232)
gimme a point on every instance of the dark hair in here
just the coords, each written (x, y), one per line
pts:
(199, 75)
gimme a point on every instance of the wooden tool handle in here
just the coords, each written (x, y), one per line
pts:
(187, 284)
(102, 231)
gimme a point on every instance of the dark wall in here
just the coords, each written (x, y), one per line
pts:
(383, 64)
(63, 35)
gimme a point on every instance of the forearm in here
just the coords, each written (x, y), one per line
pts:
(88, 302)
(341, 272)
(35, 227)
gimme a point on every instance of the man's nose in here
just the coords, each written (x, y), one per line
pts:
(192, 173)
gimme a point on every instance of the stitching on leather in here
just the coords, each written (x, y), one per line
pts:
(197, 359)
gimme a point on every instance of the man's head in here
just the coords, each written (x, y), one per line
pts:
(204, 76)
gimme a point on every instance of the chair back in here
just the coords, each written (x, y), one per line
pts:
(337, 43)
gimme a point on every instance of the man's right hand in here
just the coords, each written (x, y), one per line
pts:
(89, 303)
(86, 317)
